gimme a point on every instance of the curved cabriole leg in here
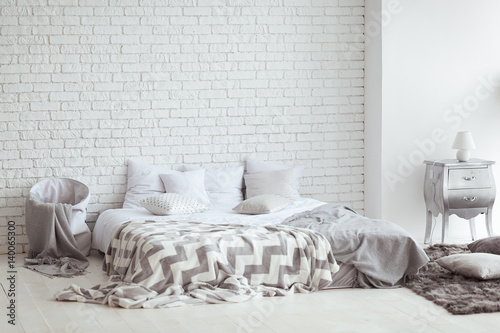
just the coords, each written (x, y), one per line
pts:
(428, 228)
(489, 226)
(446, 218)
(472, 227)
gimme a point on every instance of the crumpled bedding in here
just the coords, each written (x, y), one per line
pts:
(383, 252)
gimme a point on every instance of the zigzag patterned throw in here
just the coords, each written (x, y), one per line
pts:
(164, 264)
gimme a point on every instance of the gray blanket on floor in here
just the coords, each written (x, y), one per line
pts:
(383, 252)
(53, 249)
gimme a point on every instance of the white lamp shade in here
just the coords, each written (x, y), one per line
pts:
(463, 140)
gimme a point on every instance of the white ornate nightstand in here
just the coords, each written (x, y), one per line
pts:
(465, 189)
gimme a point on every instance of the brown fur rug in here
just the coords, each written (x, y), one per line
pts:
(456, 293)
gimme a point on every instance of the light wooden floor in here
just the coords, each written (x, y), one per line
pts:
(341, 310)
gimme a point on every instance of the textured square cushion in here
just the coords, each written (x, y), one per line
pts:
(486, 245)
(275, 182)
(172, 204)
(483, 266)
(258, 166)
(263, 204)
(143, 180)
(223, 185)
(188, 183)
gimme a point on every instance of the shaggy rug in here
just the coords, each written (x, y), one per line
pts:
(456, 293)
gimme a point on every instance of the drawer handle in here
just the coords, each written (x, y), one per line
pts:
(469, 198)
(469, 178)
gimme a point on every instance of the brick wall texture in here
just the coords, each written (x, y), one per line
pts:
(87, 84)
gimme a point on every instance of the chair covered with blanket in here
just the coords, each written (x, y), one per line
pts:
(58, 235)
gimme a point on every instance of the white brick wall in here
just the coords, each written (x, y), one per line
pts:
(87, 84)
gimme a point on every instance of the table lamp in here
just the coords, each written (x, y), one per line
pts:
(463, 142)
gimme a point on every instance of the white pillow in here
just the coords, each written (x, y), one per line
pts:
(189, 183)
(143, 180)
(483, 266)
(172, 204)
(275, 182)
(223, 185)
(257, 166)
(263, 204)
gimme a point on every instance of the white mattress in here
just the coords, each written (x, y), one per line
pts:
(111, 219)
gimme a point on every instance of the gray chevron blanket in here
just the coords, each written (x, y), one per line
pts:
(164, 264)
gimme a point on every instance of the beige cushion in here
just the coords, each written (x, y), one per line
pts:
(483, 266)
(263, 204)
(486, 245)
(172, 204)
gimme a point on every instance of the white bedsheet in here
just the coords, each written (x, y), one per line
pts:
(109, 220)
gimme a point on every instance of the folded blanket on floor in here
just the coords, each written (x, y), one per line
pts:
(165, 264)
(53, 249)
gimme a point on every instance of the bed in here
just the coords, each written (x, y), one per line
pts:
(226, 235)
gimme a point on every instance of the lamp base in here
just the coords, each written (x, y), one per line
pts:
(463, 155)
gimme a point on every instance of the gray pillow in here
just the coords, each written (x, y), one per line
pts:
(483, 266)
(486, 245)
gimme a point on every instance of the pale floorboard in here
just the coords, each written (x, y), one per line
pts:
(341, 310)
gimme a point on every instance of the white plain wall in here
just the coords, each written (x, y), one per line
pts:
(373, 109)
(87, 84)
(436, 55)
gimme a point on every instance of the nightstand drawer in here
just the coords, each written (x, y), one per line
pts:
(460, 199)
(469, 178)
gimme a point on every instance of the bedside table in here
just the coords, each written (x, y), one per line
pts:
(465, 189)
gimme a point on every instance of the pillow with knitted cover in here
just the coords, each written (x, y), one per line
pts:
(172, 204)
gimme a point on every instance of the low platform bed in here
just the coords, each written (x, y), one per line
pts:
(203, 249)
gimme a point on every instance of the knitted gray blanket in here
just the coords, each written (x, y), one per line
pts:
(382, 252)
(53, 249)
